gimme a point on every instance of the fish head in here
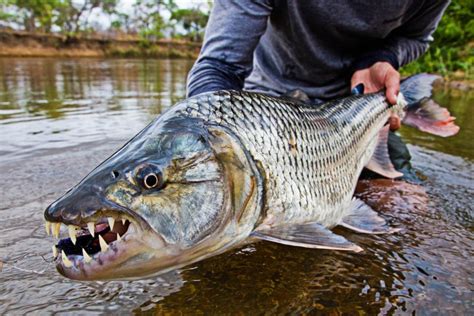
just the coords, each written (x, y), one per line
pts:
(176, 193)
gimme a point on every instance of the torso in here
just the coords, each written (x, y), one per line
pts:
(311, 45)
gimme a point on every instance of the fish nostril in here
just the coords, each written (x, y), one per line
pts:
(115, 174)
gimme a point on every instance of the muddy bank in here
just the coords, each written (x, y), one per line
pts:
(23, 44)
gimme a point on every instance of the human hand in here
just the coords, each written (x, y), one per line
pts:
(378, 76)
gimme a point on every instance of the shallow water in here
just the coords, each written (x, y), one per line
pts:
(60, 118)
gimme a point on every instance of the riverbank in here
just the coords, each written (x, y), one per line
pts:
(24, 44)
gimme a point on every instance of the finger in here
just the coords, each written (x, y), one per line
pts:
(370, 87)
(357, 78)
(392, 84)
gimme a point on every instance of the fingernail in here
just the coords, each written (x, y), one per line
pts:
(359, 89)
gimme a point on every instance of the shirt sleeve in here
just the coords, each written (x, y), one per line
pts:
(409, 41)
(232, 34)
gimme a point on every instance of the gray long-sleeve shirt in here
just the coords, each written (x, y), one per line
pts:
(275, 46)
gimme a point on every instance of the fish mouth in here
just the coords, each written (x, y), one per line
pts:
(95, 246)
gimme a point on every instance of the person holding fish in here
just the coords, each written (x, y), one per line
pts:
(325, 49)
(226, 168)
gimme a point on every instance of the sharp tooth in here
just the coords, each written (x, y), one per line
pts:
(86, 256)
(56, 227)
(103, 244)
(91, 227)
(118, 237)
(67, 263)
(47, 227)
(55, 251)
(72, 233)
(111, 222)
(123, 221)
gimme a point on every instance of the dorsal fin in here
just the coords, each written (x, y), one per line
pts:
(380, 162)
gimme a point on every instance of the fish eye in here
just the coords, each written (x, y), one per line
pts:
(150, 177)
(150, 181)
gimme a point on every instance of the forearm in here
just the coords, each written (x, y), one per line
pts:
(407, 49)
(408, 42)
(232, 33)
(397, 52)
(214, 74)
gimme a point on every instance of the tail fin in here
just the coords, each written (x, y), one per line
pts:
(422, 112)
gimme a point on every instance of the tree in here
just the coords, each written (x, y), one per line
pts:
(148, 18)
(121, 22)
(5, 16)
(193, 21)
(33, 15)
(73, 17)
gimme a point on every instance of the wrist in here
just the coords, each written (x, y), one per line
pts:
(369, 59)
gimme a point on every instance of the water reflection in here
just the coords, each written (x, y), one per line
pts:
(80, 101)
(461, 106)
(61, 118)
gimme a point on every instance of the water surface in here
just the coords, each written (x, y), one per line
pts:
(60, 118)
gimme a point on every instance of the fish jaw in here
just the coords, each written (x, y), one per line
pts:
(116, 262)
(142, 254)
(103, 244)
(132, 249)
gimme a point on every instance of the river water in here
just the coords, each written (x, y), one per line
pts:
(59, 118)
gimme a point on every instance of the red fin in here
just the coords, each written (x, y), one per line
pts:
(422, 112)
(380, 162)
(428, 116)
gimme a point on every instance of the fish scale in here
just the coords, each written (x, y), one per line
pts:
(314, 181)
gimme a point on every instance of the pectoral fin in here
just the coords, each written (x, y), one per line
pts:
(308, 235)
(363, 219)
(380, 162)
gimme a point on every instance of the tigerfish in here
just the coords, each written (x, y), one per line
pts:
(225, 168)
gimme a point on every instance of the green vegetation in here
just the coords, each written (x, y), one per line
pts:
(452, 52)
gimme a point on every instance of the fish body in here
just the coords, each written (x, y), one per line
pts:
(309, 157)
(221, 169)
